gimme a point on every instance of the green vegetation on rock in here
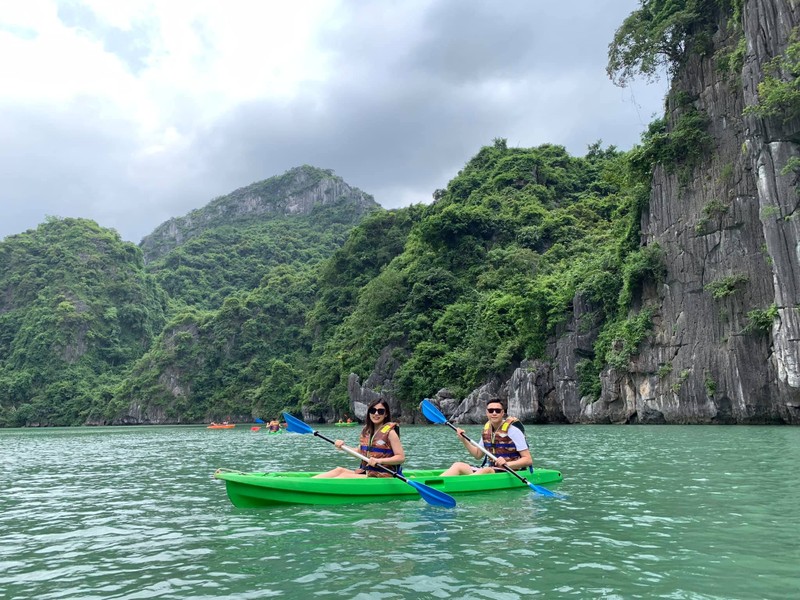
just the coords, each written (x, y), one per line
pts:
(76, 308)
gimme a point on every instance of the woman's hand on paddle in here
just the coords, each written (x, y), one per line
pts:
(338, 444)
(501, 462)
(372, 461)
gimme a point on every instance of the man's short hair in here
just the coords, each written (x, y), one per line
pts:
(499, 401)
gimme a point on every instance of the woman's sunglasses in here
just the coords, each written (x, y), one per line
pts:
(494, 410)
(377, 411)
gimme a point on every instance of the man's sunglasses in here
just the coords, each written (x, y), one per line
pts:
(494, 410)
(377, 411)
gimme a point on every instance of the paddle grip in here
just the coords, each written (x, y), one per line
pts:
(464, 435)
(327, 439)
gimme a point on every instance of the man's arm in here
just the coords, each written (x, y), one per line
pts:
(470, 447)
(521, 444)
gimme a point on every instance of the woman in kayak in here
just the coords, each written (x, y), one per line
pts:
(380, 443)
(274, 425)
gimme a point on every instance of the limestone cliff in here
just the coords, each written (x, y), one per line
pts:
(730, 239)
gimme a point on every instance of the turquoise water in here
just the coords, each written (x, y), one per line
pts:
(653, 512)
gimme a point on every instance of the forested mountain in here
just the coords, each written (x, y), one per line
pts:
(76, 307)
(252, 357)
(445, 295)
(73, 322)
(297, 219)
(487, 274)
(298, 192)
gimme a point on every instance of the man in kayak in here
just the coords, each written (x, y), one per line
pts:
(274, 425)
(503, 436)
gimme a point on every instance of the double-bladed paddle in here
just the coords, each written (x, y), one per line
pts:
(435, 416)
(429, 494)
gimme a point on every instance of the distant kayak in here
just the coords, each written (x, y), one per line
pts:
(353, 424)
(254, 490)
(221, 426)
(275, 432)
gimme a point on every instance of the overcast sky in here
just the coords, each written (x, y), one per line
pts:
(129, 112)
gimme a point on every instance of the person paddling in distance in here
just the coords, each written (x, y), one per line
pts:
(380, 443)
(274, 425)
(503, 437)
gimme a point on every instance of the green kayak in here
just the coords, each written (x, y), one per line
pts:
(253, 490)
(351, 424)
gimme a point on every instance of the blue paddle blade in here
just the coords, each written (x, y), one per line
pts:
(258, 420)
(432, 496)
(296, 425)
(432, 413)
(545, 492)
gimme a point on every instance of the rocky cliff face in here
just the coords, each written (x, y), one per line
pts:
(731, 248)
(296, 192)
(730, 232)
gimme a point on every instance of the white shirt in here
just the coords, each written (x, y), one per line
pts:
(516, 436)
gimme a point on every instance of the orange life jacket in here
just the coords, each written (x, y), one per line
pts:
(498, 442)
(379, 447)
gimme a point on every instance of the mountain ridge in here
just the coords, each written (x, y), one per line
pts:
(296, 192)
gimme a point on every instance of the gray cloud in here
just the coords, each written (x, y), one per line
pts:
(407, 110)
(411, 96)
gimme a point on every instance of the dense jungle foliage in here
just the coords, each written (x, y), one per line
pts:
(76, 308)
(489, 272)
(223, 260)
